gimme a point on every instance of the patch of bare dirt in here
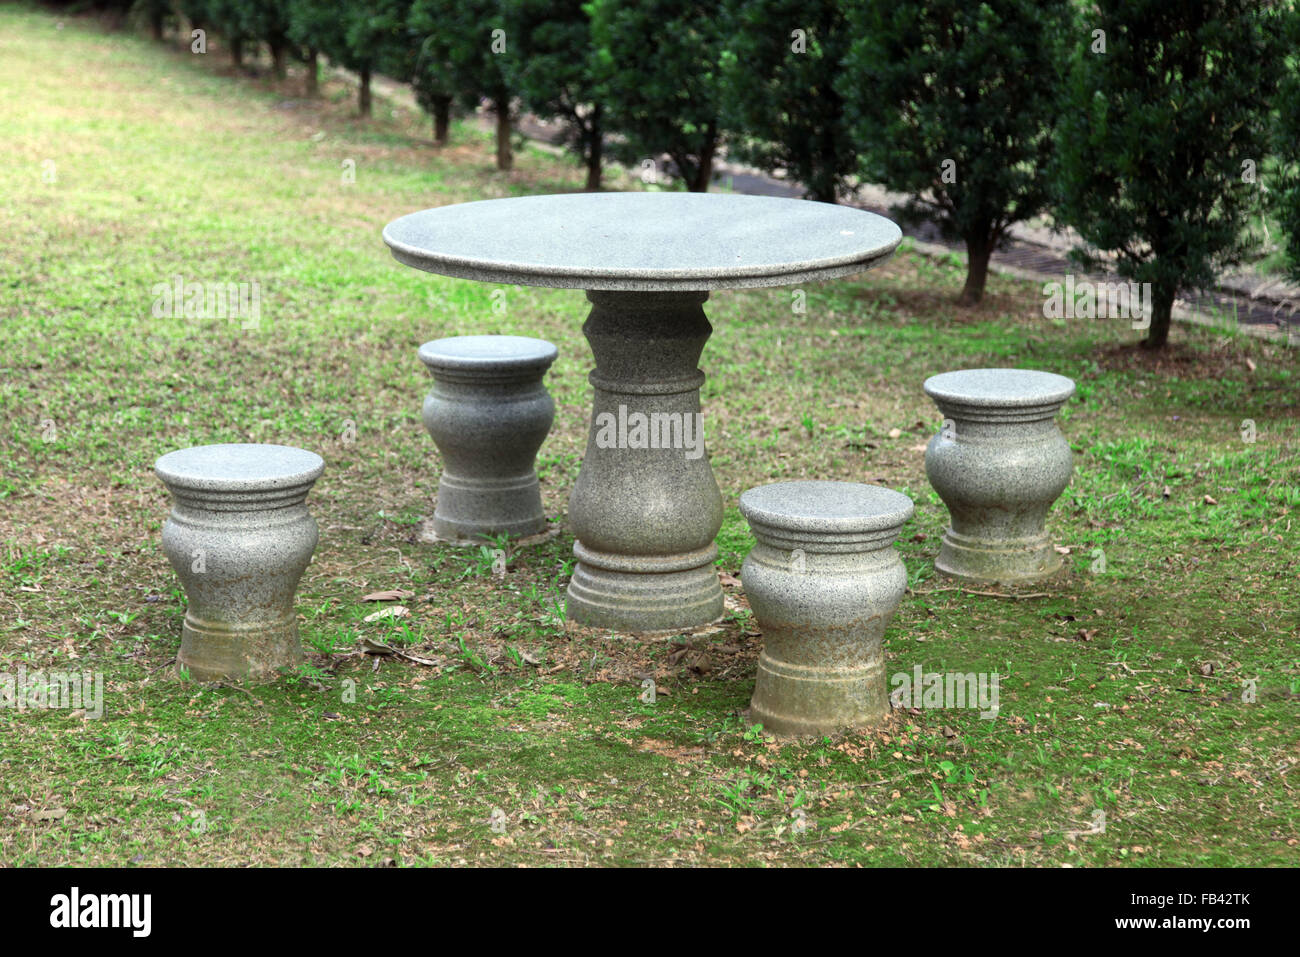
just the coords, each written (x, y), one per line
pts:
(1178, 359)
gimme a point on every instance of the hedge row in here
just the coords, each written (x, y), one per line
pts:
(1164, 132)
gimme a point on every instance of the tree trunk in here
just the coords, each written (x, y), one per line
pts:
(363, 95)
(1162, 310)
(156, 26)
(822, 182)
(237, 51)
(277, 60)
(595, 154)
(313, 73)
(505, 157)
(441, 119)
(704, 172)
(824, 194)
(978, 250)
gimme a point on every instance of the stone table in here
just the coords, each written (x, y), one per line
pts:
(645, 508)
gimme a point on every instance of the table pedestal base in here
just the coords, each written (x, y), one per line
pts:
(645, 508)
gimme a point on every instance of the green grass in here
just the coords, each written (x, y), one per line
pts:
(526, 744)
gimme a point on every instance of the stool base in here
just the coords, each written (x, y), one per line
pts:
(644, 600)
(797, 699)
(470, 510)
(997, 560)
(213, 650)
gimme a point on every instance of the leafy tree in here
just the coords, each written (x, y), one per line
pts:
(227, 18)
(432, 82)
(115, 12)
(196, 12)
(954, 103)
(658, 76)
(268, 21)
(552, 67)
(466, 45)
(154, 12)
(1287, 141)
(1158, 132)
(404, 58)
(779, 90)
(358, 37)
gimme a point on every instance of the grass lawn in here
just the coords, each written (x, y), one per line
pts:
(128, 164)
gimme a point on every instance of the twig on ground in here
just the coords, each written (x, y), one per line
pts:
(989, 594)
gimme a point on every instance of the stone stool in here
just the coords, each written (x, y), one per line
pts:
(488, 413)
(999, 463)
(823, 581)
(239, 536)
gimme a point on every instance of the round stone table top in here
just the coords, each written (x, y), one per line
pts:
(645, 242)
(825, 507)
(999, 388)
(239, 467)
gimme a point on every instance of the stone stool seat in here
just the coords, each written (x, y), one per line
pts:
(823, 581)
(239, 536)
(488, 413)
(998, 464)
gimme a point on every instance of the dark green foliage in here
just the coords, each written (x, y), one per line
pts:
(268, 21)
(659, 79)
(1287, 141)
(430, 74)
(156, 13)
(226, 17)
(196, 11)
(552, 67)
(954, 103)
(465, 44)
(1155, 134)
(432, 84)
(779, 92)
(360, 37)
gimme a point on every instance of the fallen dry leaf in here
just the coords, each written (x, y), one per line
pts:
(392, 611)
(395, 594)
(1209, 500)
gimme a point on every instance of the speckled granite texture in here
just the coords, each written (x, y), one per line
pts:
(998, 464)
(488, 413)
(644, 517)
(239, 536)
(823, 580)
